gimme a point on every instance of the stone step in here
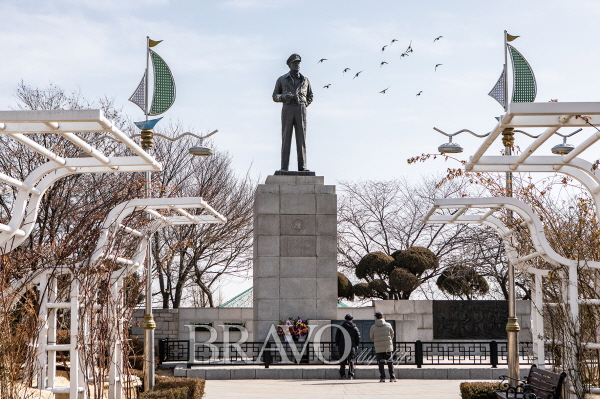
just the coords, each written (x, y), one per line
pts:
(332, 372)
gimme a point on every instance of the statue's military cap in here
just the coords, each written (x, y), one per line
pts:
(293, 57)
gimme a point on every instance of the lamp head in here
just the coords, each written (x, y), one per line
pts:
(562, 148)
(201, 151)
(450, 148)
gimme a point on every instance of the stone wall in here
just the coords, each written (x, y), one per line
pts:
(170, 323)
(167, 323)
(414, 320)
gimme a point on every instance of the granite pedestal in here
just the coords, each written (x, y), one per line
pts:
(295, 250)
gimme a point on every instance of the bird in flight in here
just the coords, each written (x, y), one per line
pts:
(409, 49)
(383, 48)
(437, 65)
(327, 86)
(382, 62)
(437, 38)
(403, 55)
(321, 60)
(419, 93)
(346, 70)
(384, 90)
(357, 73)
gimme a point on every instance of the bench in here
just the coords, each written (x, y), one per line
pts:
(538, 384)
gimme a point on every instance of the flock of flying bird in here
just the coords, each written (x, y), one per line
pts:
(406, 53)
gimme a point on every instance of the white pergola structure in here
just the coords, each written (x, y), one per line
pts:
(551, 116)
(47, 348)
(486, 208)
(68, 124)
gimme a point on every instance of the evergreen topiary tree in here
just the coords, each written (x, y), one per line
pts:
(363, 290)
(394, 276)
(463, 282)
(345, 288)
(373, 264)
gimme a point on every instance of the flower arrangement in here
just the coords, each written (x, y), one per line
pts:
(296, 327)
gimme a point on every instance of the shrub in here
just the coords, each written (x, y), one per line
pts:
(460, 280)
(136, 362)
(363, 290)
(403, 280)
(378, 286)
(344, 287)
(416, 260)
(175, 388)
(478, 390)
(171, 393)
(373, 263)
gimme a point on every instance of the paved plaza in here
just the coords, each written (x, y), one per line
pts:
(320, 389)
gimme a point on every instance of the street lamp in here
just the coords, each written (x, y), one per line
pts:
(455, 148)
(149, 325)
(564, 148)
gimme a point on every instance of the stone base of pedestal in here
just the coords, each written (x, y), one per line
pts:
(295, 251)
(294, 173)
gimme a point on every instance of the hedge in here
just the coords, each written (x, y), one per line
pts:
(478, 390)
(175, 388)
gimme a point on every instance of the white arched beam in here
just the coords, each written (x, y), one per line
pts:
(577, 168)
(537, 325)
(17, 124)
(150, 205)
(541, 245)
(550, 115)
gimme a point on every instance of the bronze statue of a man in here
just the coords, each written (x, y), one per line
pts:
(293, 90)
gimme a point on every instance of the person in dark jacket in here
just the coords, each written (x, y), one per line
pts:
(340, 342)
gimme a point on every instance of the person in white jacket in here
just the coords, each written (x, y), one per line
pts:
(382, 335)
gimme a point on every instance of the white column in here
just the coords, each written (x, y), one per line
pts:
(118, 336)
(52, 292)
(574, 295)
(538, 323)
(43, 334)
(74, 351)
(115, 376)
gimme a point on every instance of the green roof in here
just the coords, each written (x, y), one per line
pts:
(244, 300)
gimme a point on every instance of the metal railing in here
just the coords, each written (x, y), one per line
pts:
(416, 353)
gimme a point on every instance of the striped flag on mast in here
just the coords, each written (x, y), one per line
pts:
(497, 92)
(139, 95)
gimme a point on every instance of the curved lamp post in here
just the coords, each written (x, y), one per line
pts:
(149, 325)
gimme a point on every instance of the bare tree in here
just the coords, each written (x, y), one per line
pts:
(201, 255)
(386, 216)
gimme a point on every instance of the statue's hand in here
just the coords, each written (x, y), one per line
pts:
(288, 96)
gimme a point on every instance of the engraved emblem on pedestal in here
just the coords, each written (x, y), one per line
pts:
(297, 225)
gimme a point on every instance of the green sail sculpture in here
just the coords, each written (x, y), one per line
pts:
(524, 85)
(164, 86)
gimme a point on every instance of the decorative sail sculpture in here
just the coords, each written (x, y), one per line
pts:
(162, 85)
(524, 85)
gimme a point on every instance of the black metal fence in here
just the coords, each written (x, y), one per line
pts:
(416, 353)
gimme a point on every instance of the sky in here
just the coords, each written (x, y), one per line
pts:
(226, 56)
